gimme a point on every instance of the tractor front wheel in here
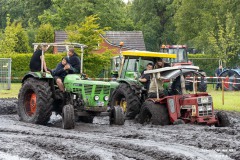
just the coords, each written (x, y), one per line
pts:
(68, 121)
(126, 98)
(35, 101)
(117, 116)
(154, 113)
(223, 120)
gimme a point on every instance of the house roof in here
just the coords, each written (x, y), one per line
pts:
(132, 39)
(60, 36)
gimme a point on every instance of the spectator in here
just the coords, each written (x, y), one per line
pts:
(60, 73)
(74, 62)
(160, 64)
(145, 78)
(37, 59)
(218, 71)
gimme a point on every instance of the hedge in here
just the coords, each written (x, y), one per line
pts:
(93, 63)
(20, 63)
(206, 62)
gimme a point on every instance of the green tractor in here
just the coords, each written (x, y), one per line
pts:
(83, 99)
(127, 68)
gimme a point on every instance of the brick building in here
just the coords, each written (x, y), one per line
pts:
(133, 40)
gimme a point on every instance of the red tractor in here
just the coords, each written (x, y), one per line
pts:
(178, 106)
(182, 60)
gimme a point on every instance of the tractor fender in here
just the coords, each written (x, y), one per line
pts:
(133, 85)
(37, 75)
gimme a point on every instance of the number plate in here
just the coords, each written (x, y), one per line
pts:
(100, 104)
(204, 100)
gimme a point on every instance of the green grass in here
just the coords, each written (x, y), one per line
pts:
(231, 98)
(13, 92)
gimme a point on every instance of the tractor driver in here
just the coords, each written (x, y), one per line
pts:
(74, 62)
(160, 64)
(60, 73)
(145, 78)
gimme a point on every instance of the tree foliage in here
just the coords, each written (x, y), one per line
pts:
(88, 33)
(64, 12)
(14, 38)
(154, 18)
(45, 34)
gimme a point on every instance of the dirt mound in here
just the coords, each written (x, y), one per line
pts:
(8, 106)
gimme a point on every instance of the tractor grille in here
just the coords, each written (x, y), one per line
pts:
(98, 89)
(76, 90)
(204, 111)
(88, 89)
(106, 89)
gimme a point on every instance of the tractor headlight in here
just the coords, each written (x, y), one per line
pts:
(96, 98)
(209, 108)
(106, 98)
(200, 108)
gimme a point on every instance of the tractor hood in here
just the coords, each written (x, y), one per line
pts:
(75, 79)
(173, 72)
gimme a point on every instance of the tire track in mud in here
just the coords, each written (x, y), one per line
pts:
(39, 142)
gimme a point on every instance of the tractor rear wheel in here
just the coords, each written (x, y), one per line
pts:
(125, 97)
(202, 86)
(154, 113)
(35, 101)
(117, 116)
(68, 121)
(223, 120)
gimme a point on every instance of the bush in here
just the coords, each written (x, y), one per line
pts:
(93, 63)
(205, 62)
(20, 63)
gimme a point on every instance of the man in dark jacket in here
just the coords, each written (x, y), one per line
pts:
(74, 62)
(218, 71)
(36, 60)
(60, 73)
(145, 78)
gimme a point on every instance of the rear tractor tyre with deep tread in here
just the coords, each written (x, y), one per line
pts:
(35, 101)
(68, 120)
(117, 116)
(154, 113)
(223, 120)
(125, 97)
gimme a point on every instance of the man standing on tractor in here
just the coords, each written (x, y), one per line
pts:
(37, 60)
(145, 78)
(74, 62)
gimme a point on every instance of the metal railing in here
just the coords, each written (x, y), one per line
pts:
(5, 73)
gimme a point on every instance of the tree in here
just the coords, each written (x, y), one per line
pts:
(8, 39)
(45, 34)
(153, 17)
(111, 13)
(88, 33)
(224, 41)
(24, 11)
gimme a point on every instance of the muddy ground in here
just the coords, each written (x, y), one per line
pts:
(100, 141)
